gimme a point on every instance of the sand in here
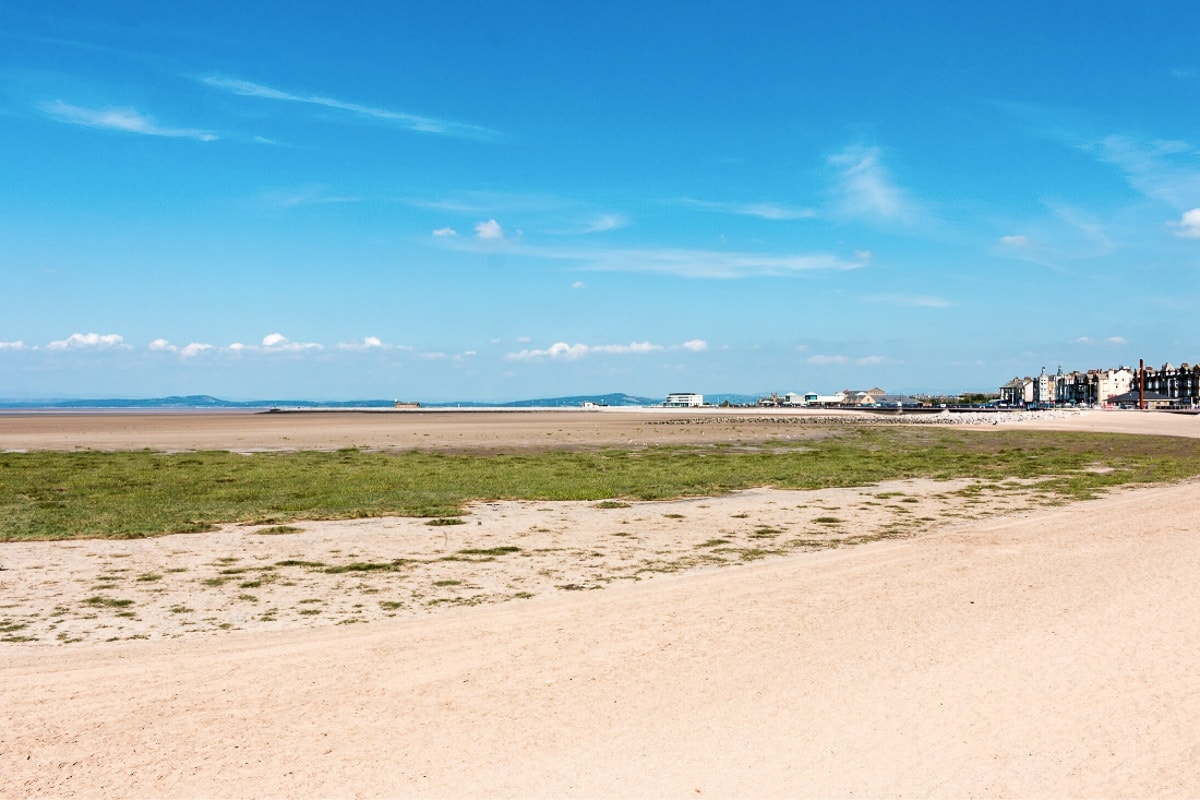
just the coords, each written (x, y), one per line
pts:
(999, 649)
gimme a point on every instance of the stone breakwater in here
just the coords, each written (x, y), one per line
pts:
(911, 418)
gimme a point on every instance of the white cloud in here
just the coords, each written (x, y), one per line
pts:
(1019, 241)
(187, 351)
(578, 285)
(669, 261)
(823, 361)
(277, 342)
(1115, 340)
(89, 341)
(367, 343)
(1073, 234)
(606, 222)
(305, 196)
(489, 230)
(921, 301)
(1189, 225)
(446, 231)
(1087, 340)
(865, 188)
(409, 121)
(194, 348)
(872, 361)
(696, 263)
(17, 345)
(558, 350)
(561, 351)
(125, 120)
(1161, 169)
(622, 349)
(770, 211)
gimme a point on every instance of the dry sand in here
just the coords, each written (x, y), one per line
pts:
(1005, 649)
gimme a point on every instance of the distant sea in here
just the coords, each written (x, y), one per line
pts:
(203, 402)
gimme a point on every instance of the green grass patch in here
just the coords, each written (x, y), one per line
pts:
(367, 566)
(277, 530)
(491, 551)
(609, 504)
(133, 494)
(99, 601)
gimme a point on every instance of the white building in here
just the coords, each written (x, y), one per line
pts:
(814, 399)
(684, 400)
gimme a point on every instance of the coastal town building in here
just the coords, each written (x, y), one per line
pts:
(1093, 387)
(862, 397)
(1017, 392)
(1181, 384)
(684, 400)
(814, 399)
(1168, 385)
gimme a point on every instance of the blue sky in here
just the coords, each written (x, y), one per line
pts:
(494, 201)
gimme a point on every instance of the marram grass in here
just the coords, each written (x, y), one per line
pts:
(50, 495)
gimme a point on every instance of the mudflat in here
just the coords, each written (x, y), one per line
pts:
(475, 431)
(1002, 648)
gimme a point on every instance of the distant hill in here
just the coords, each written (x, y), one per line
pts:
(194, 401)
(204, 401)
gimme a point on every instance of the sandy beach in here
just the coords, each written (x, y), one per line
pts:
(729, 646)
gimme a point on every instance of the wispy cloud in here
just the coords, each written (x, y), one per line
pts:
(865, 189)
(17, 345)
(561, 351)
(771, 211)
(691, 263)
(1111, 340)
(126, 120)
(445, 231)
(602, 223)
(89, 341)
(1072, 234)
(919, 300)
(306, 196)
(1165, 170)
(819, 360)
(823, 360)
(405, 120)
